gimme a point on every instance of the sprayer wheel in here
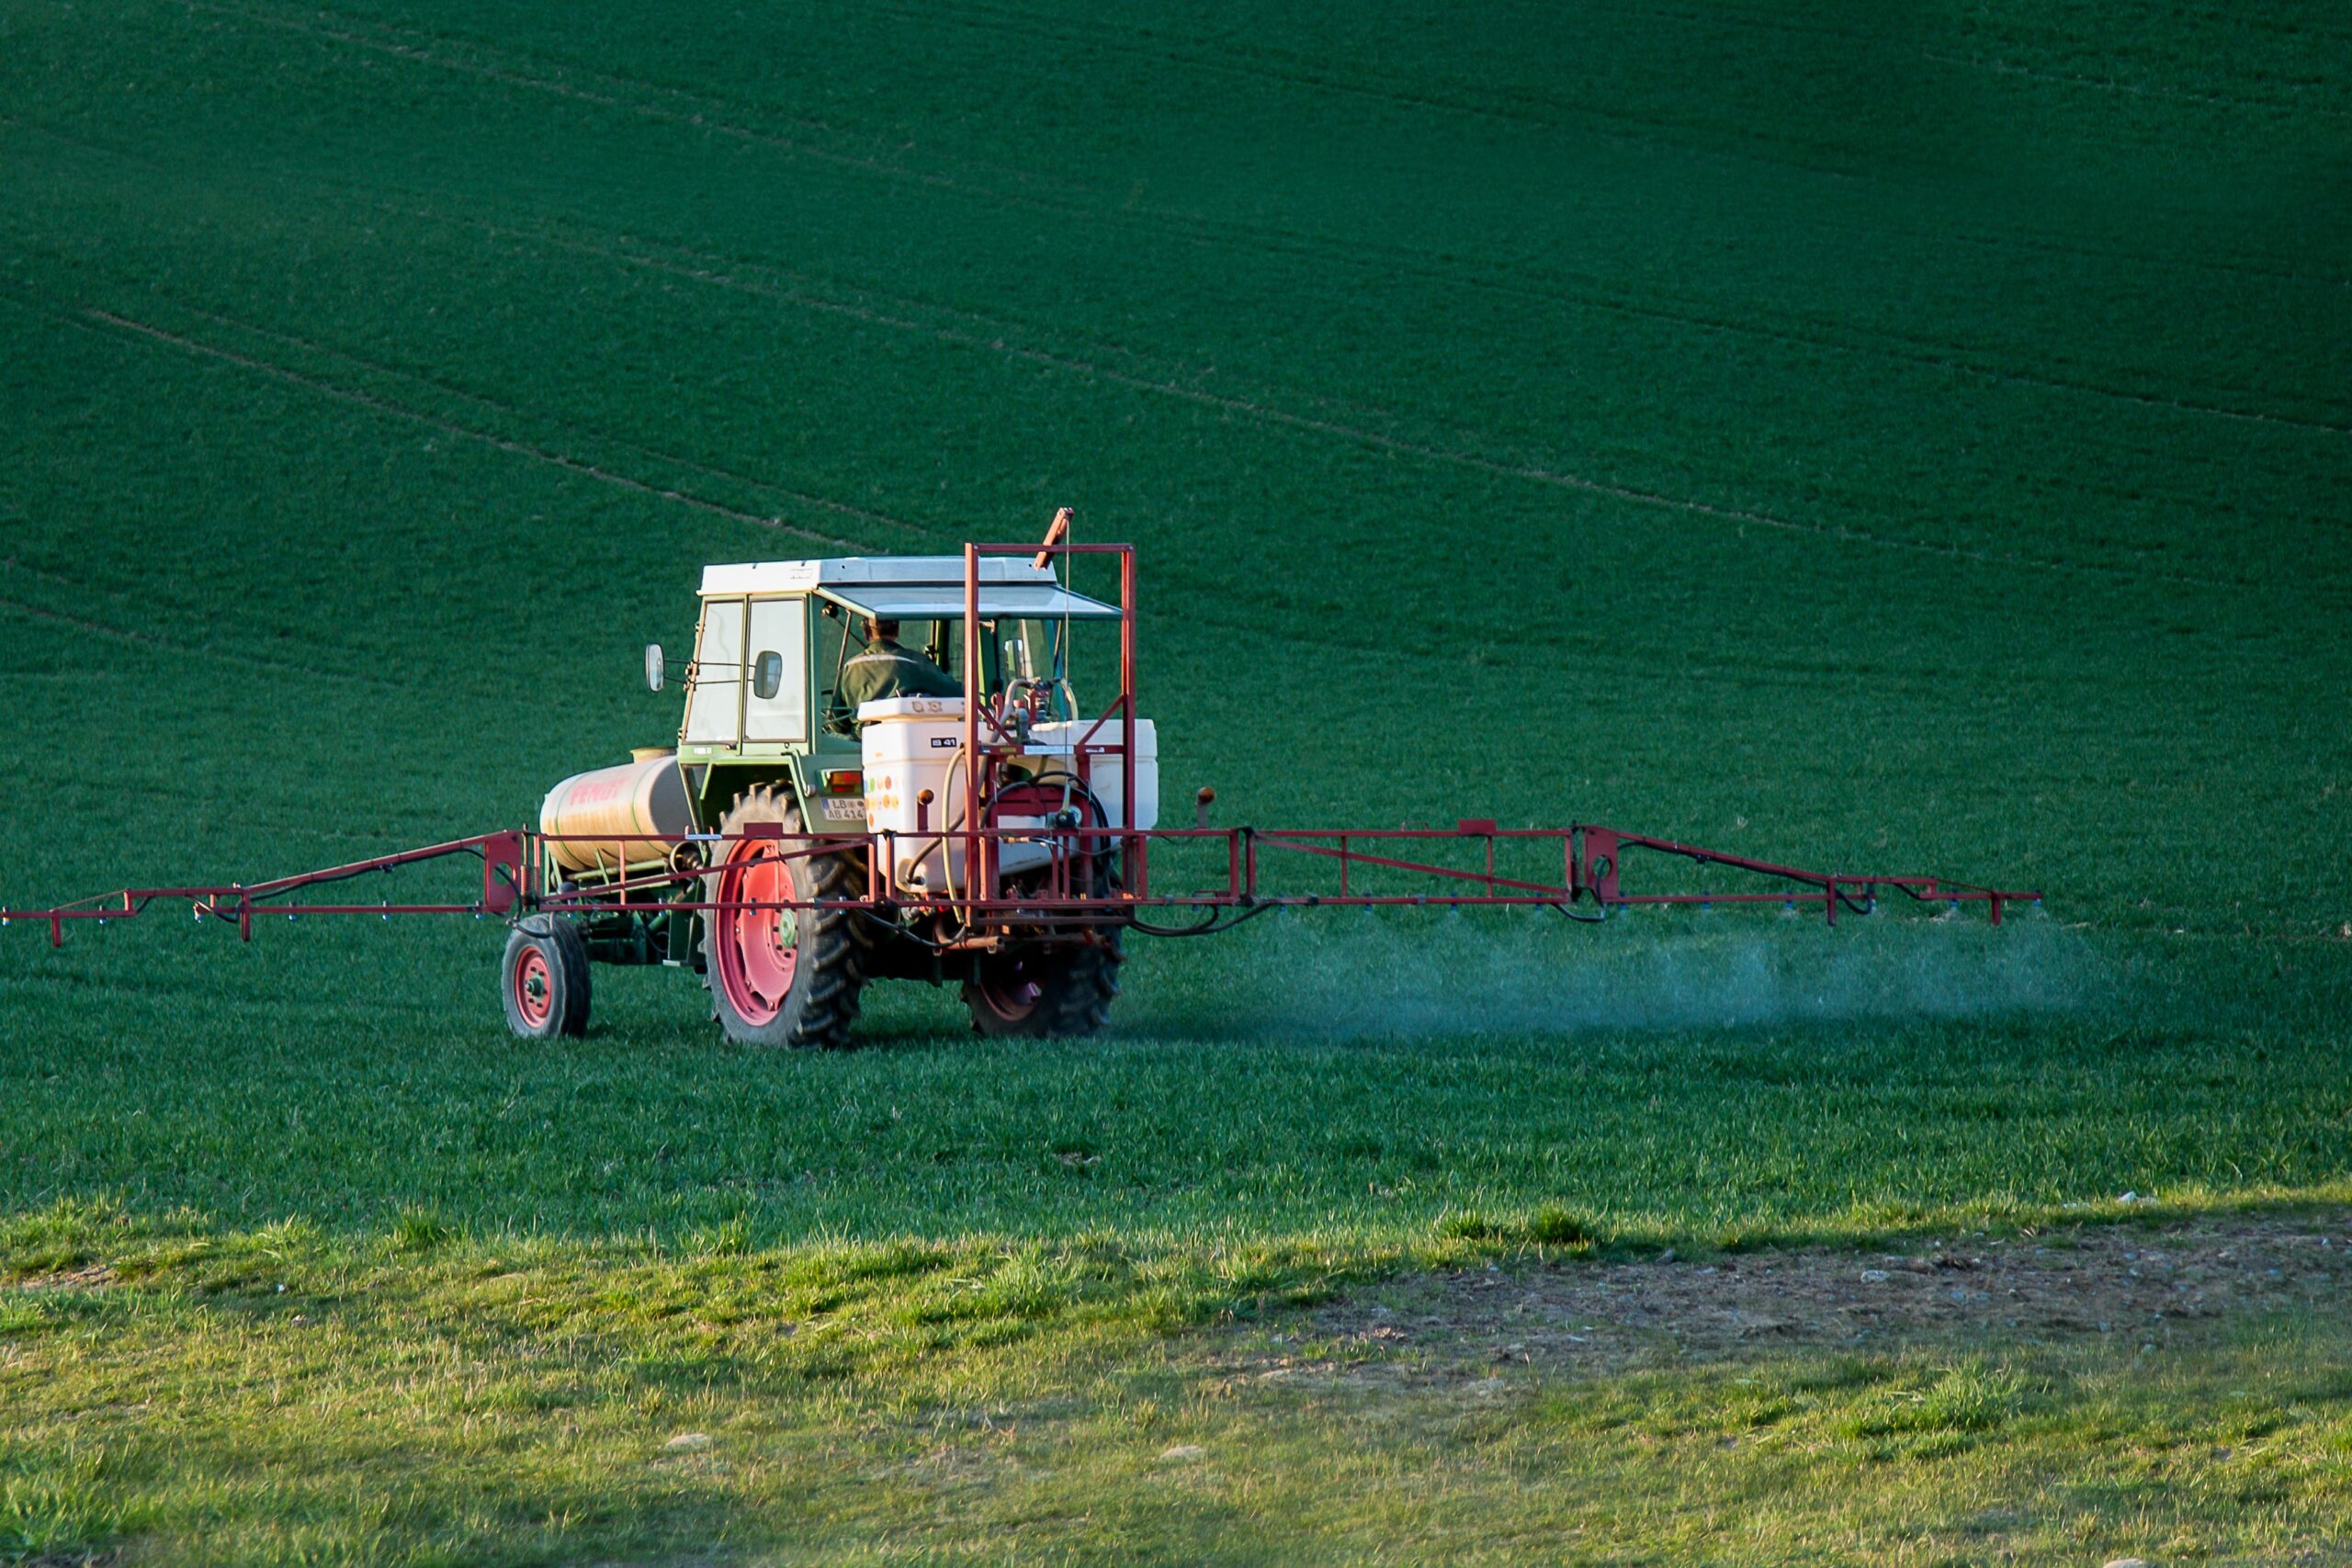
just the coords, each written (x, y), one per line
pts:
(544, 979)
(782, 977)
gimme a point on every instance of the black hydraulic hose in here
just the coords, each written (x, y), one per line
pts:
(897, 929)
(1206, 928)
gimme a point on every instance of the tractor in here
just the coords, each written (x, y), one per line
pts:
(792, 848)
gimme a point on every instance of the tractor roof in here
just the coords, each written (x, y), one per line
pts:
(911, 588)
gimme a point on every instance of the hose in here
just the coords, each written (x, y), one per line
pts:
(1209, 927)
(946, 856)
(898, 929)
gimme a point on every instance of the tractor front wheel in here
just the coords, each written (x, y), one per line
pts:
(544, 979)
(781, 977)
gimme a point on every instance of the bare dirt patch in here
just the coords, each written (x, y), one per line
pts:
(2148, 1285)
(89, 1277)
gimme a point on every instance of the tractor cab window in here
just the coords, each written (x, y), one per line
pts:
(841, 638)
(775, 704)
(1019, 654)
(1010, 649)
(931, 639)
(715, 700)
(1015, 655)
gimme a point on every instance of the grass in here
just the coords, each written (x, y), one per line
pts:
(514, 1399)
(242, 1089)
(1894, 443)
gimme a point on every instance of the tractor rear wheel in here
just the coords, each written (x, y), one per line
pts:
(1063, 990)
(781, 977)
(544, 979)
(1049, 988)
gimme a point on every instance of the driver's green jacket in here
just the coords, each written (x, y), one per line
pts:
(886, 670)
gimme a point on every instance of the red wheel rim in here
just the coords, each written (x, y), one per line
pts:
(534, 987)
(758, 949)
(1010, 988)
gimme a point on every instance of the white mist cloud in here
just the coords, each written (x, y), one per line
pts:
(1351, 973)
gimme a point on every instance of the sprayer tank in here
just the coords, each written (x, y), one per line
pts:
(914, 764)
(644, 796)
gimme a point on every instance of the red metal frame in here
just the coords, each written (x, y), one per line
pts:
(982, 755)
(1591, 857)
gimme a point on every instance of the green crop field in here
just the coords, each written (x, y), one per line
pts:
(1888, 438)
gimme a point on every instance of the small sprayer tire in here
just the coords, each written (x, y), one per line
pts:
(543, 979)
(786, 976)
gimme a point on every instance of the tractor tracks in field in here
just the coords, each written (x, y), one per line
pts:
(573, 428)
(379, 404)
(143, 610)
(1285, 69)
(765, 280)
(1362, 435)
(527, 69)
(146, 610)
(1546, 288)
(1375, 428)
(98, 628)
(425, 42)
(1812, 29)
(1485, 99)
(1588, 647)
(1996, 67)
(1557, 479)
(97, 318)
(523, 69)
(706, 266)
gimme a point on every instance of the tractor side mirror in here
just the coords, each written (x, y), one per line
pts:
(655, 667)
(767, 675)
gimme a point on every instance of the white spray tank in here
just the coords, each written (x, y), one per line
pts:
(914, 765)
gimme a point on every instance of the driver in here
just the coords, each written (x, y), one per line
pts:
(886, 670)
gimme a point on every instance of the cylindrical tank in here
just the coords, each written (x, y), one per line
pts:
(644, 797)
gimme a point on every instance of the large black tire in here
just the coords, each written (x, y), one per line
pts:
(544, 979)
(792, 977)
(1062, 988)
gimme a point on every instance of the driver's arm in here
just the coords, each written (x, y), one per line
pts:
(920, 677)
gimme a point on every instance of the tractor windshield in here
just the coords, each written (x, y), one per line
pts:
(1016, 656)
(1025, 649)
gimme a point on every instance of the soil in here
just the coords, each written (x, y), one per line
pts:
(89, 1277)
(2146, 1284)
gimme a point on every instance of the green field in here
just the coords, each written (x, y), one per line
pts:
(1903, 443)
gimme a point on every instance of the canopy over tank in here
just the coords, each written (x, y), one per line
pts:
(644, 796)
